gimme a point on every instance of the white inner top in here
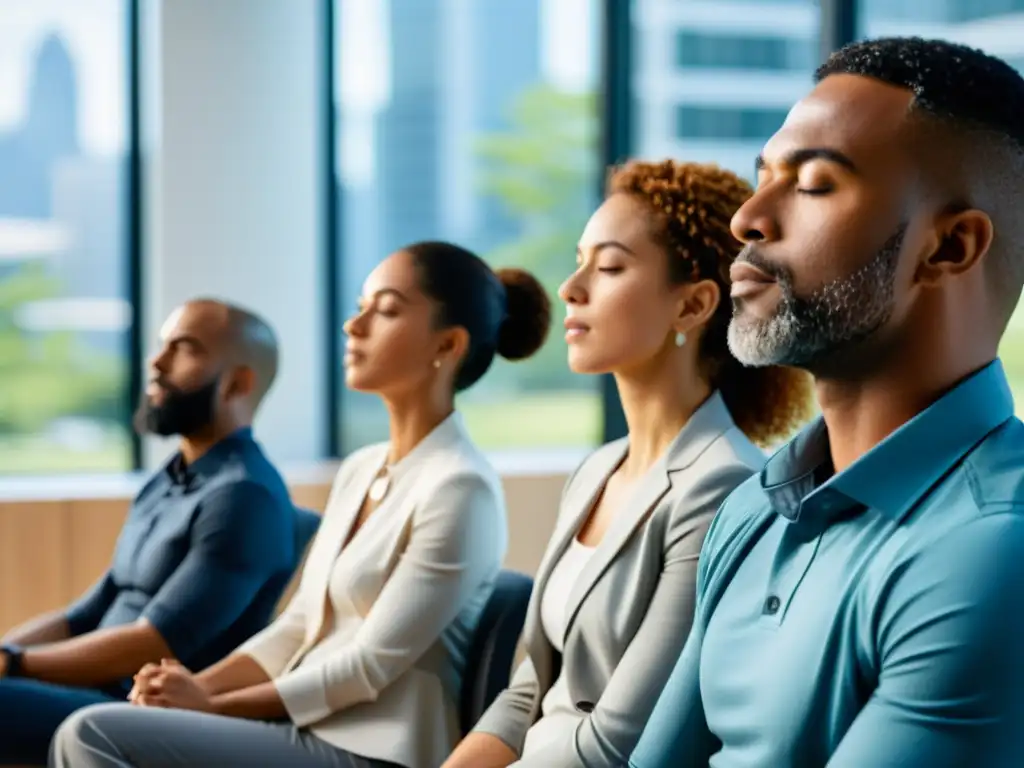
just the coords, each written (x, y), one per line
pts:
(558, 712)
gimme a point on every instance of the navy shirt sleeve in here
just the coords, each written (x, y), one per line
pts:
(241, 539)
(86, 613)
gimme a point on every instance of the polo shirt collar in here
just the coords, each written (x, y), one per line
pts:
(902, 467)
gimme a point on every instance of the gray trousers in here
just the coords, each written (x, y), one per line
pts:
(124, 736)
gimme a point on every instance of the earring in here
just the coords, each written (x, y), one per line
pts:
(680, 339)
(437, 363)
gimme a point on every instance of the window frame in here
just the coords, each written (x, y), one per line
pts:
(838, 24)
(134, 243)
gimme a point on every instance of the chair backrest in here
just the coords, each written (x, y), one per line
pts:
(493, 649)
(306, 525)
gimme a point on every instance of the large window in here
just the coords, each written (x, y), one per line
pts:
(474, 121)
(714, 79)
(64, 321)
(995, 26)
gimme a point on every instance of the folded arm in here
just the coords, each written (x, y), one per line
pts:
(949, 635)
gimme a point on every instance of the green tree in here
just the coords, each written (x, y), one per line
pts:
(544, 171)
(41, 377)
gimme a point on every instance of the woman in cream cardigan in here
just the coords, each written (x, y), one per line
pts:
(614, 595)
(364, 666)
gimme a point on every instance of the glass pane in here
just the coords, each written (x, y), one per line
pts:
(473, 121)
(64, 321)
(995, 26)
(714, 79)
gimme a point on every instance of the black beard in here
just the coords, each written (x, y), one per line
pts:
(181, 413)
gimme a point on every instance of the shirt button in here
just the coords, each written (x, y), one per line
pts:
(771, 605)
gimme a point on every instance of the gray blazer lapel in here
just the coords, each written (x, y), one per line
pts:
(576, 505)
(708, 422)
(651, 489)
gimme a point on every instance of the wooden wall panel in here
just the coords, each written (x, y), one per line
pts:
(34, 573)
(93, 527)
(53, 550)
(532, 510)
(311, 496)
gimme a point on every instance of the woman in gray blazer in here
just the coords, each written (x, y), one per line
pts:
(363, 668)
(614, 595)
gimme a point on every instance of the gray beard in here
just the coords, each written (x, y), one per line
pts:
(837, 316)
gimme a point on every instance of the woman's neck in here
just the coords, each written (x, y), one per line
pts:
(657, 406)
(412, 419)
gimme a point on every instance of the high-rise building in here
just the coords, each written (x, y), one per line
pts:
(714, 78)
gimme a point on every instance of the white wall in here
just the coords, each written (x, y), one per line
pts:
(233, 151)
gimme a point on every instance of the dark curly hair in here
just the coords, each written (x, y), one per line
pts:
(979, 100)
(691, 206)
(507, 311)
(963, 85)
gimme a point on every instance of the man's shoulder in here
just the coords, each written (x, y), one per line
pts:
(987, 483)
(994, 471)
(737, 522)
(248, 465)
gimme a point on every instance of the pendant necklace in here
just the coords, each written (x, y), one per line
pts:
(380, 486)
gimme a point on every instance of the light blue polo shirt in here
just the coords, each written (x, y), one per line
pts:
(868, 619)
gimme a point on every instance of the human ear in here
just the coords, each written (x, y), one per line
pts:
(697, 303)
(963, 237)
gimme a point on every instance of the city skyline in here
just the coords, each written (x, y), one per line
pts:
(97, 45)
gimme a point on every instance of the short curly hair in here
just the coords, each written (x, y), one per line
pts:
(964, 86)
(691, 206)
(980, 100)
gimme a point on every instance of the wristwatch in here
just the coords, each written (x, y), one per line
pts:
(13, 654)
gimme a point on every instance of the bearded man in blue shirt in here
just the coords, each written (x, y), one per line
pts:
(861, 600)
(210, 543)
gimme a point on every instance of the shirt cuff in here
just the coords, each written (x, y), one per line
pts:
(304, 695)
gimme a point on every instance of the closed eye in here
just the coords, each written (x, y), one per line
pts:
(814, 191)
(610, 270)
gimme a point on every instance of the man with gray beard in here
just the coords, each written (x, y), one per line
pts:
(860, 600)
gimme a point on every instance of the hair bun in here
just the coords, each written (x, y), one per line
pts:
(528, 320)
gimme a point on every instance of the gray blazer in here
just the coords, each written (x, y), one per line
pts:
(631, 610)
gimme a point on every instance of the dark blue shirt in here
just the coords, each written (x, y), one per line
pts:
(204, 556)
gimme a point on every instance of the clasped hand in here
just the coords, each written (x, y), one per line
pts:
(169, 685)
